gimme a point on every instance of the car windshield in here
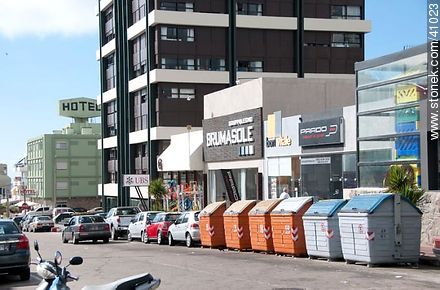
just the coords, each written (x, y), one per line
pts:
(8, 228)
(91, 219)
(196, 216)
(127, 211)
(171, 217)
(151, 216)
(43, 218)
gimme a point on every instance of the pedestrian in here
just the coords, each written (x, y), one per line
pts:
(285, 193)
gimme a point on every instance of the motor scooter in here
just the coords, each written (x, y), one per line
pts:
(55, 277)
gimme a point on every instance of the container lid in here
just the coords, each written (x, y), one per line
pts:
(265, 206)
(212, 207)
(240, 206)
(365, 203)
(293, 204)
(326, 207)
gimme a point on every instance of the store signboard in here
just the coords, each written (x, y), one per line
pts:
(136, 179)
(321, 132)
(281, 135)
(233, 137)
(315, 161)
(231, 185)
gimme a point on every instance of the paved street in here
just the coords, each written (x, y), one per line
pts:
(199, 268)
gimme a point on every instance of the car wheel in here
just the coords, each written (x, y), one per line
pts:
(114, 234)
(105, 241)
(64, 239)
(25, 275)
(170, 240)
(145, 238)
(189, 241)
(159, 238)
(129, 237)
(75, 240)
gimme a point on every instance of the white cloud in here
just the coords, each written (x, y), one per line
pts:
(48, 17)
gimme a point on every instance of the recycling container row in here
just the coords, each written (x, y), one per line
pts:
(271, 225)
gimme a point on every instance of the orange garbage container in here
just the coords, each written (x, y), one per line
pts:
(212, 232)
(236, 220)
(287, 225)
(260, 225)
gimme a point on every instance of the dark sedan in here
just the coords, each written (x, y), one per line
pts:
(14, 250)
(86, 227)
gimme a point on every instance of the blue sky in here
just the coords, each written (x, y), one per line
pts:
(47, 53)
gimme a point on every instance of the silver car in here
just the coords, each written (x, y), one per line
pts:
(139, 223)
(185, 228)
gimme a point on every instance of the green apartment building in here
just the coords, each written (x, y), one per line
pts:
(65, 167)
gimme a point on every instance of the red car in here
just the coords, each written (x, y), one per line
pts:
(158, 229)
(436, 247)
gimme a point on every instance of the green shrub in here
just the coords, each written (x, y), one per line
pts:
(401, 179)
(157, 190)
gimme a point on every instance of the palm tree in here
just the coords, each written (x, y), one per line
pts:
(157, 190)
(401, 179)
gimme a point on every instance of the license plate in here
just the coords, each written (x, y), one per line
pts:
(4, 247)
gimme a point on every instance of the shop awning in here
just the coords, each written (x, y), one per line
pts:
(183, 154)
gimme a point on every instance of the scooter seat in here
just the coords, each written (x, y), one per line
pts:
(128, 283)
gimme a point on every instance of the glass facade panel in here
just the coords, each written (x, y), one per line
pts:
(402, 68)
(390, 122)
(390, 149)
(391, 95)
(374, 175)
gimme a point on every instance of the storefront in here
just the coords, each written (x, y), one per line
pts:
(233, 154)
(393, 118)
(311, 154)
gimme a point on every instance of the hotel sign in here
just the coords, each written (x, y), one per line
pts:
(233, 137)
(79, 108)
(321, 132)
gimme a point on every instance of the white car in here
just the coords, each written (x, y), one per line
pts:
(185, 228)
(139, 223)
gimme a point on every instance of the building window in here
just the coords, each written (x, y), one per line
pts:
(178, 63)
(141, 158)
(345, 12)
(177, 34)
(61, 165)
(179, 93)
(177, 6)
(109, 78)
(251, 66)
(139, 60)
(346, 40)
(109, 31)
(213, 64)
(62, 145)
(138, 10)
(62, 185)
(140, 110)
(112, 116)
(250, 9)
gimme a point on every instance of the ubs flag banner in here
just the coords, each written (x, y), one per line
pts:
(321, 132)
(231, 186)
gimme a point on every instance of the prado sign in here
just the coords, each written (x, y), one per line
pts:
(233, 137)
(321, 132)
(79, 108)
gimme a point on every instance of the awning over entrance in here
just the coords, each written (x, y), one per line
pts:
(183, 154)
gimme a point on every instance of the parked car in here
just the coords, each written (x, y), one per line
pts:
(17, 219)
(42, 210)
(56, 211)
(95, 210)
(158, 229)
(185, 228)
(138, 224)
(119, 218)
(14, 250)
(25, 221)
(63, 218)
(79, 209)
(436, 247)
(86, 227)
(102, 214)
(43, 223)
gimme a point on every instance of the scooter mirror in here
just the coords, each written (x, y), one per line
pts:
(36, 247)
(76, 260)
(58, 258)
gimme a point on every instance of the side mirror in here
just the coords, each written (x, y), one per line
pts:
(36, 247)
(133, 220)
(66, 225)
(58, 258)
(76, 260)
